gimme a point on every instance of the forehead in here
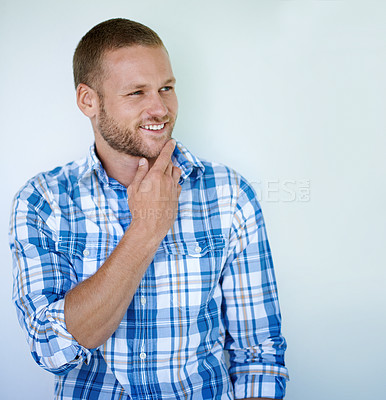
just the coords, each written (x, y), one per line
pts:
(136, 64)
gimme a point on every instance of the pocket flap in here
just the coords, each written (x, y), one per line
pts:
(70, 247)
(194, 248)
(91, 248)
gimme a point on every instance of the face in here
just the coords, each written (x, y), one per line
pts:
(138, 103)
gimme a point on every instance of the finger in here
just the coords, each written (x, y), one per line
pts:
(169, 169)
(176, 174)
(165, 156)
(143, 167)
(129, 192)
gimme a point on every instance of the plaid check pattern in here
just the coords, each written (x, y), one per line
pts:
(210, 287)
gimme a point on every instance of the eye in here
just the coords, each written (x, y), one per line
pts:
(166, 89)
(137, 93)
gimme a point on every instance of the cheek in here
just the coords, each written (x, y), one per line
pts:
(173, 105)
(129, 116)
(124, 109)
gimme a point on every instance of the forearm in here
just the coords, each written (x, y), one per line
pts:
(95, 307)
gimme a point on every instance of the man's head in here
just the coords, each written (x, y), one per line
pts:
(108, 35)
(125, 85)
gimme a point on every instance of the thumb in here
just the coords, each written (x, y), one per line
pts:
(143, 168)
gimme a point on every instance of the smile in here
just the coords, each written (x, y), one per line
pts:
(153, 127)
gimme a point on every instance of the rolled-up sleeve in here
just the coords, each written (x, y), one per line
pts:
(250, 306)
(42, 276)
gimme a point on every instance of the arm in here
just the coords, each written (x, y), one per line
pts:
(41, 277)
(250, 306)
(44, 276)
(95, 307)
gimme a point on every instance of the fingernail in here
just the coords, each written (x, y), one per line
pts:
(142, 161)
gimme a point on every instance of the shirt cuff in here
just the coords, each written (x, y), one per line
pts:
(259, 384)
(65, 350)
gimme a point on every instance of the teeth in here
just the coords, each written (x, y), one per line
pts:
(154, 127)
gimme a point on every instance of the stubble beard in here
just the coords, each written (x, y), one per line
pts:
(126, 140)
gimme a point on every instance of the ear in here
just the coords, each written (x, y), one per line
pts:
(87, 100)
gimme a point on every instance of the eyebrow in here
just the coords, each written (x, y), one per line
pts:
(169, 81)
(137, 86)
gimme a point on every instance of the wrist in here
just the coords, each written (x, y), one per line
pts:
(144, 235)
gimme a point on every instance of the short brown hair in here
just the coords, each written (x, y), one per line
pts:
(108, 35)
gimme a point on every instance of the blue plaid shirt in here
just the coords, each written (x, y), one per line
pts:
(210, 287)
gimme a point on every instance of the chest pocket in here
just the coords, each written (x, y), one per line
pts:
(86, 255)
(191, 271)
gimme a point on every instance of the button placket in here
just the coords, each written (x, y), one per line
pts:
(142, 300)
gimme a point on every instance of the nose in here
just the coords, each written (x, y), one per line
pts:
(157, 106)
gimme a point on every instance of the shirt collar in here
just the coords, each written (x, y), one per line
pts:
(187, 162)
(182, 158)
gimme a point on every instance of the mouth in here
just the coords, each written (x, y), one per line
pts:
(154, 128)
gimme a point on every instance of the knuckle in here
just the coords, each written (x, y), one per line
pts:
(171, 182)
(146, 186)
(177, 170)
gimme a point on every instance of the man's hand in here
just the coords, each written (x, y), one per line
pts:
(153, 194)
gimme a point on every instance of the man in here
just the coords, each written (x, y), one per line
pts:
(136, 267)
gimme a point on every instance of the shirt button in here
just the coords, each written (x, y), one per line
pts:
(86, 252)
(197, 249)
(143, 300)
(142, 356)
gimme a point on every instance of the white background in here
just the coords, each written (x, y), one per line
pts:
(289, 93)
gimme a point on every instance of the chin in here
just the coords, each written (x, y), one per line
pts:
(153, 149)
